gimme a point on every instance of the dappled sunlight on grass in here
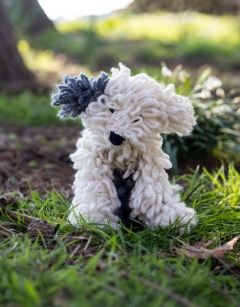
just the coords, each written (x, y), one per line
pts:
(47, 66)
(168, 28)
(43, 60)
(147, 39)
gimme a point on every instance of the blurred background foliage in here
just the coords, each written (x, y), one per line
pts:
(193, 44)
(217, 7)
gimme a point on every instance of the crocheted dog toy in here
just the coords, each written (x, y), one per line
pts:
(119, 159)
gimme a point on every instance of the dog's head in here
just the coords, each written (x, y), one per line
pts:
(124, 108)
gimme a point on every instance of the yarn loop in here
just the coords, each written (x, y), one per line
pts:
(76, 93)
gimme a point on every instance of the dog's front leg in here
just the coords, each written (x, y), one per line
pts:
(95, 197)
(154, 202)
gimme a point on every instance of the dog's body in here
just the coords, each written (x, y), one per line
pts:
(119, 161)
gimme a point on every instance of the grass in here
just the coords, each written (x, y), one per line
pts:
(123, 267)
(27, 109)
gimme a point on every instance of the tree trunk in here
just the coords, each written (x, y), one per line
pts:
(37, 19)
(14, 76)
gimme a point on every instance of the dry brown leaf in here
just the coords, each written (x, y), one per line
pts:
(200, 251)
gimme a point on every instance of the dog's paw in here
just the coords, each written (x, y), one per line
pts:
(187, 220)
(175, 213)
(73, 219)
(79, 217)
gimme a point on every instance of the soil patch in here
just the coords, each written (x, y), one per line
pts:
(37, 158)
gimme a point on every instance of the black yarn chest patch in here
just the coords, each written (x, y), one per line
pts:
(124, 188)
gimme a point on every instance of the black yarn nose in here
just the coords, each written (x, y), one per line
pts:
(115, 139)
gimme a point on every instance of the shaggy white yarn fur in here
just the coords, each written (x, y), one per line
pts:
(137, 109)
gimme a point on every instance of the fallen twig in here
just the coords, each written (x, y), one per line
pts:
(200, 250)
(75, 251)
(7, 231)
(87, 244)
(72, 238)
(22, 217)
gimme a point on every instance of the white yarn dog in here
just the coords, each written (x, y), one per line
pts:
(119, 161)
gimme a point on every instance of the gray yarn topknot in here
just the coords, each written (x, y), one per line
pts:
(76, 93)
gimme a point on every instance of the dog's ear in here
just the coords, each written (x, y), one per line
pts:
(122, 71)
(178, 111)
(76, 93)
